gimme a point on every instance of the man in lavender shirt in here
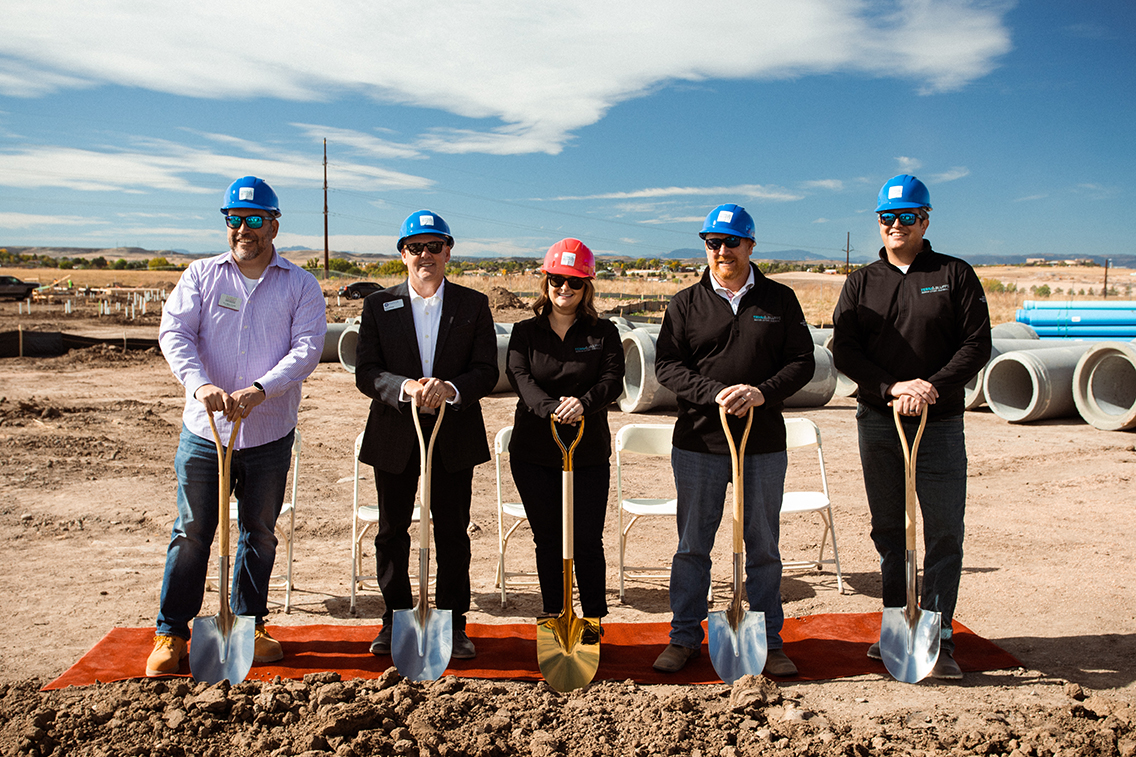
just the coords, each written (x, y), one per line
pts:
(241, 331)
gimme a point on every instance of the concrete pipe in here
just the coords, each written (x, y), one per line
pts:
(331, 342)
(621, 322)
(845, 387)
(820, 389)
(641, 390)
(1013, 330)
(503, 328)
(1104, 386)
(821, 336)
(1031, 385)
(347, 342)
(973, 395)
(650, 328)
(502, 363)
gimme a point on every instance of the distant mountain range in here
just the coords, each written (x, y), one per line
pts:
(300, 254)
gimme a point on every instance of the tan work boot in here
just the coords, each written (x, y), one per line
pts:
(166, 658)
(266, 648)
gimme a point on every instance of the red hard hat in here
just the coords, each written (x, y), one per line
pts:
(570, 257)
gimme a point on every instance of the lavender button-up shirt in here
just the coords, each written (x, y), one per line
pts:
(212, 332)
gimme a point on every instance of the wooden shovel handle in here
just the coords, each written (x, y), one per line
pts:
(909, 456)
(224, 469)
(738, 473)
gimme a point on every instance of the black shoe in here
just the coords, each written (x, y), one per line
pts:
(874, 652)
(463, 647)
(777, 663)
(382, 643)
(674, 658)
(946, 668)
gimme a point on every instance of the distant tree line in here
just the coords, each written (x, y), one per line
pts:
(83, 264)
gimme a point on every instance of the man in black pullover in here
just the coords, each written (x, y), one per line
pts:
(911, 329)
(735, 340)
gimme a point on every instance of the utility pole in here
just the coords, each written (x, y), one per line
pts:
(848, 254)
(326, 248)
(1106, 262)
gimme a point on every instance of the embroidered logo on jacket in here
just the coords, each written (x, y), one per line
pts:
(935, 289)
(590, 348)
(767, 318)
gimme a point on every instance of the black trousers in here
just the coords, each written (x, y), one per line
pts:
(450, 497)
(540, 489)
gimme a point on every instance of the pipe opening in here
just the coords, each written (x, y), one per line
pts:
(1112, 385)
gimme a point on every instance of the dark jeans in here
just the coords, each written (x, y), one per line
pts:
(449, 500)
(541, 490)
(940, 483)
(259, 480)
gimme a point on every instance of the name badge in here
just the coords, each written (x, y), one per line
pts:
(392, 305)
(230, 302)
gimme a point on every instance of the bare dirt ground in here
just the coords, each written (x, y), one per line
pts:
(86, 505)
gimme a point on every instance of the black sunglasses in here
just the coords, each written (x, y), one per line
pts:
(575, 282)
(715, 242)
(907, 219)
(253, 222)
(416, 248)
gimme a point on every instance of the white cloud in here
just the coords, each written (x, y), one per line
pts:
(539, 71)
(951, 175)
(750, 191)
(33, 220)
(821, 220)
(833, 185)
(908, 165)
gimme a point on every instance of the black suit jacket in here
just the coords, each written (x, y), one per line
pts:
(387, 355)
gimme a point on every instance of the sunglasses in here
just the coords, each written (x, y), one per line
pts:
(253, 222)
(716, 242)
(575, 282)
(417, 248)
(907, 219)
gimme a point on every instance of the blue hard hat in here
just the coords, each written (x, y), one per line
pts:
(251, 192)
(424, 222)
(903, 192)
(728, 219)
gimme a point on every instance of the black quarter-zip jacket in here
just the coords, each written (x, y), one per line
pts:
(703, 347)
(931, 323)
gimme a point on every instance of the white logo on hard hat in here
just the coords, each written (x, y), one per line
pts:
(568, 259)
(246, 193)
(725, 216)
(425, 220)
(894, 192)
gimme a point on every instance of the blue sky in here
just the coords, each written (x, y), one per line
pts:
(621, 124)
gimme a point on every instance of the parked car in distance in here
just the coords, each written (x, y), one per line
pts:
(357, 290)
(12, 287)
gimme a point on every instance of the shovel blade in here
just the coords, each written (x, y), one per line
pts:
(217, 655)
(909, 646)
(568, 651)
(739, 651)
(422, 642)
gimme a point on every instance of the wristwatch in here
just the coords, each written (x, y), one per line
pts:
(256, 385)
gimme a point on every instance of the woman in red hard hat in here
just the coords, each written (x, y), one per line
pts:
(569, 362)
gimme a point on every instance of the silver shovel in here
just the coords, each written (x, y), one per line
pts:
(422, 639)
(738, 645)
(222, 646)
(910, 636)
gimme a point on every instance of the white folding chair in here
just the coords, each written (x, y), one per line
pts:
(514, 510)
(285, 530)
(643, 439)
(801, 434)
(366, 516)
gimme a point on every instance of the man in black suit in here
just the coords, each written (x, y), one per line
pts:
(426, 341)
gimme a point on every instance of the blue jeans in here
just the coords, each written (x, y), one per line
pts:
(700, 480)
(940, 483)
(259, 477)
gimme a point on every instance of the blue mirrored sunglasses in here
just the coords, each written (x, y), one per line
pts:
(907, 219)
(253, 222)
(715, 242)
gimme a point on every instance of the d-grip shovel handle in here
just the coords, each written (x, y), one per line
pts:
(426, 465)
(567, 493)
(909, 456)
(737, 469)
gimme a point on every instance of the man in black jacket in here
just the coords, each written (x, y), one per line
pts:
(911, 329)
(735, 340)
(427, 342)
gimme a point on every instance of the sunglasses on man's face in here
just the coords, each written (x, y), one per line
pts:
(417, 248)
(575, 282)
(907, 219)
(716, 242)
(253, 222)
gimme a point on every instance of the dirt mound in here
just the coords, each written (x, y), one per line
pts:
(108, 353)
(18, 413)
(501, 298)
(452, 716)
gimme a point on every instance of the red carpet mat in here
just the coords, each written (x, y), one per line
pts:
(822, 646)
